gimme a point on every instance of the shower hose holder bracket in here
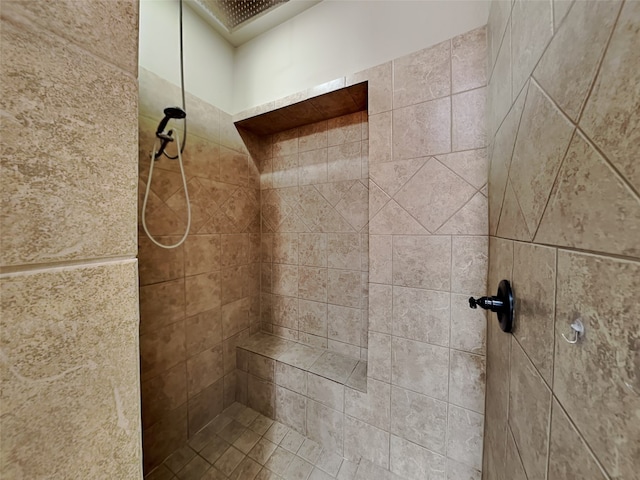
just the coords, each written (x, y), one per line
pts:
(502, 304)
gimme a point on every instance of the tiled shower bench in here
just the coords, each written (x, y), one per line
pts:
(301, 386)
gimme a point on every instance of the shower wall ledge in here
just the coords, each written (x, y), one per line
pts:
(323, 102)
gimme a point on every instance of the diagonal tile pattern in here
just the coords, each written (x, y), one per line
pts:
(565, 200)
(326, 213)
(434, 194)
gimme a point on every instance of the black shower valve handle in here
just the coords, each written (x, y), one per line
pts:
(488, 303)
(503, 304)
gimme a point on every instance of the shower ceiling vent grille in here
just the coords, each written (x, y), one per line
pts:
(234, 13)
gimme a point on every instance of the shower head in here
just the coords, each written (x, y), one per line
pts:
(169, 113)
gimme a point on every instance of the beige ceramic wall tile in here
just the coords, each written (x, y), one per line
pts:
(161, 304)
(499, 19)
(611, 115)
(512, 221)
(380, 307)
(203, 369)
(291, 378)
(325, 391)
(531, 30)
(467, 380)
(603, 213)
(421, 315)
(468, 326)
(434, 194)
(373, 406)
(102, 28)
(422, 262)
(468, 129)
(501, 155)
(512, 462)
(344, 324)
(422, 76)
(471, 219)
(165, 437)
(568, 67)
(366, 441)
(569, 456)
(469, 264)
(414, 462)
(202, 253)
(312, 317)
(560, 10)
(379, 356)
(420, 130)
(312, 137)
(499, 96)
(162, 349)
(380, 258)
(285, 279)
(234, 249)
(163, 393)
(291, 409)
(202, 293)
(203, 330)
(393, 219)
(206, 405)
(261, 396)
(325, 426)
(600, 291)
(457, 470)
(82, 356)
(344, 288)
(312, 167)
(464, 436)
(380, 86)
(529, 411)
(469, 60)
(471, 165)
(380, 138)
(419, 419)
(498, 361)
(420, 367)
(354, 206)
(391, 176)
(78, 227)
(534, 274)
(235, 317)
(344, 162)
(344, 129)
(545, 137)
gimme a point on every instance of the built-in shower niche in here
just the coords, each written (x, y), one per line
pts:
(313, 161)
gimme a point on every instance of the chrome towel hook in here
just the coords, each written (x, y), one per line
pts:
(577, 328)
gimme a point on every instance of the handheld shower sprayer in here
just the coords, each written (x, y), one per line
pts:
(166, 137)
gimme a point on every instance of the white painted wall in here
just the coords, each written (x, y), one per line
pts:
(208, 59)
(339, 37)
(330, 40)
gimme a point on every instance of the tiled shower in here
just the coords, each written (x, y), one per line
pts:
(315, 324)
(564, 220)
(370, 230)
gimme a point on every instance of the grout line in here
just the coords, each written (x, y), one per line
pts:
(510, 433)
(556, 181)
(600, 62)
(582, 251)
(28, 24)
(513, 148)
(582, 439)
(15, 270)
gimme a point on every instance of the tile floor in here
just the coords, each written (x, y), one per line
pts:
(241, 444)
